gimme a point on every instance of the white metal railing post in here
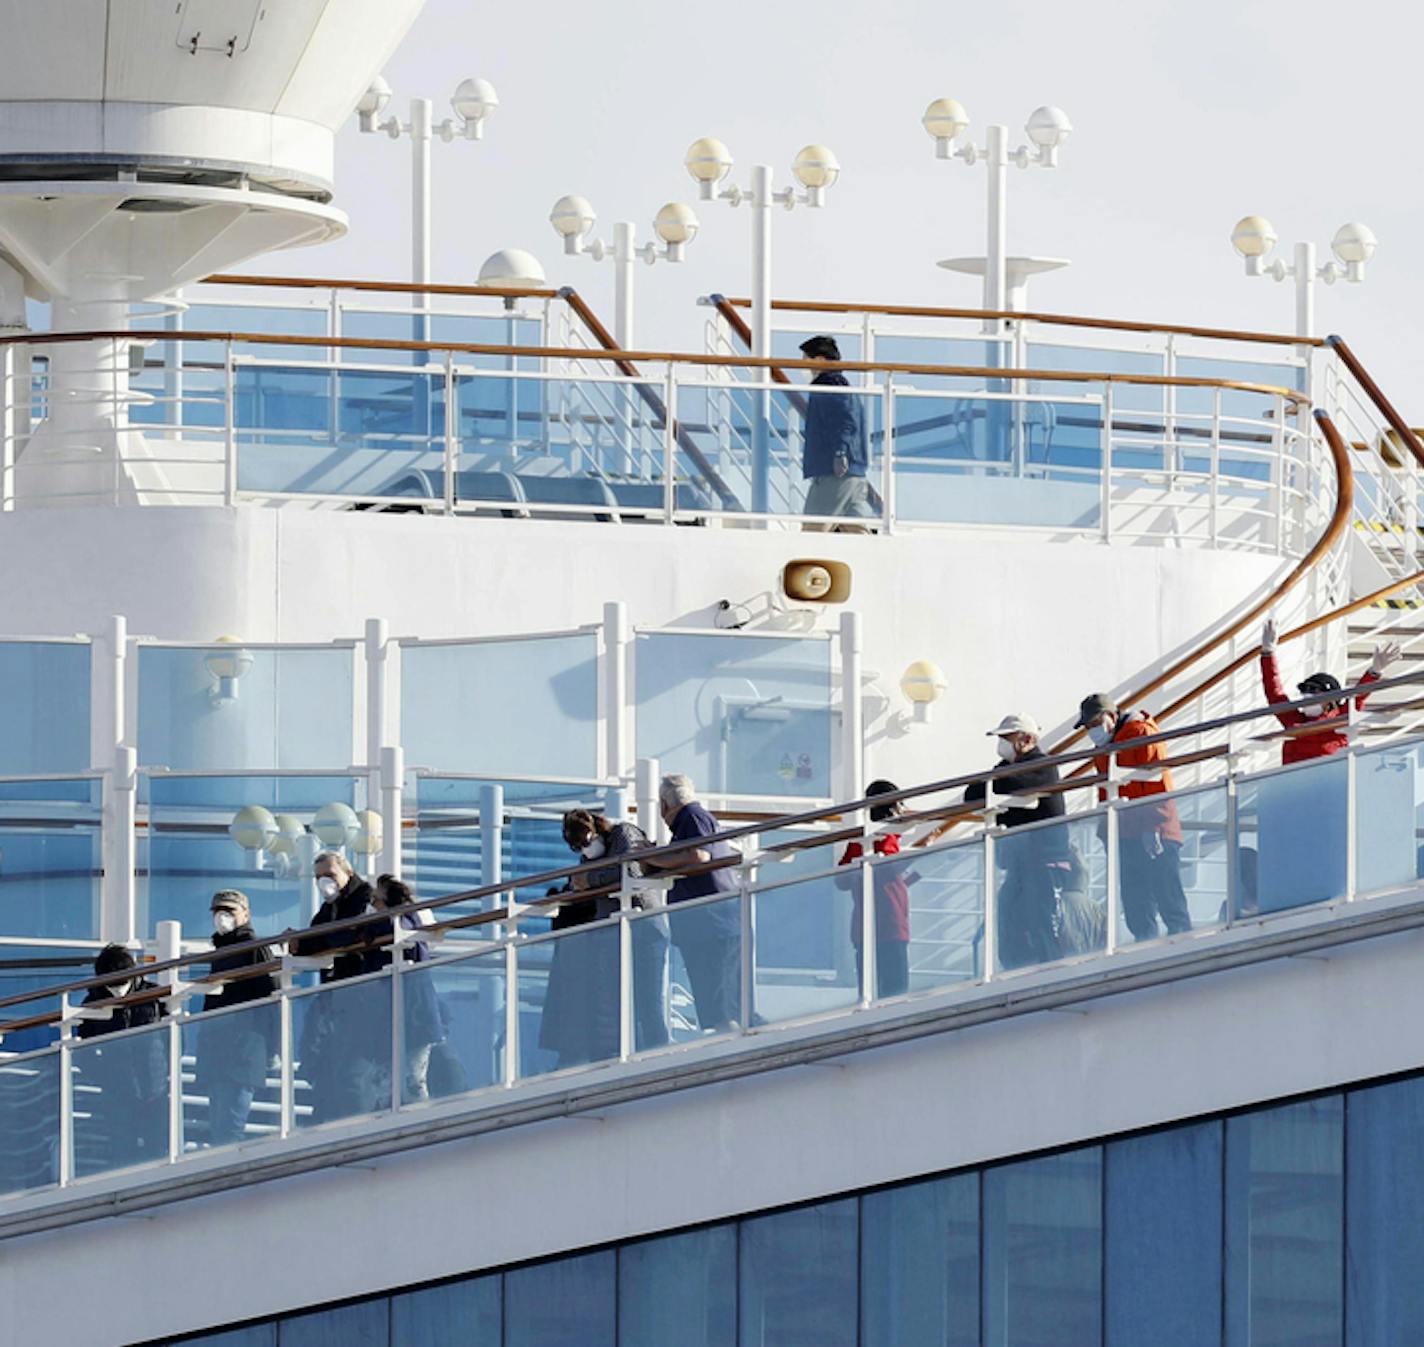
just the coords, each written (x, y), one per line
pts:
(451, 434)
(616, 641)
(1233, 843)
(627, 1029)
(10, 393)
(852, 708)
(1279, 444)
(869, 961)
(990, 943)
(65, 1167)
(511, 998)
(669, 443)
(1411, 507)
(746, 878)
(1169, 394)
(647, 777)
(168, 944)
(230, 426)
(118, 761)
(1112, 873)
(1352, 798)
(492, 836)
(377, 688)
(1214, 485)
(398, 975)
(286, 1048)
(392, 796)
(887, 457)
(1105, 500)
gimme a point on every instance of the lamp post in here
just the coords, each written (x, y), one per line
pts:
(1047, 127)
(1353, 245)
(573, 219)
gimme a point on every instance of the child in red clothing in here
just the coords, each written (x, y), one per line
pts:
(892, 903)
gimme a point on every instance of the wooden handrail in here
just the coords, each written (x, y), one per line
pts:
(1376, 395)
(1015, 315)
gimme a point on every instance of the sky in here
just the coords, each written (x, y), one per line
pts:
(1185, 116)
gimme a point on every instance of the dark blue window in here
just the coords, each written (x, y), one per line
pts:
(259, 1335)
(680, 1289)
(456, 1314)
(363, 1325)
(797, 1278)
(567, 1303)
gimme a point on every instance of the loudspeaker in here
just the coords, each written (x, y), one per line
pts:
(810, 581)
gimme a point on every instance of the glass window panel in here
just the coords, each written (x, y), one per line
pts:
(29, 1119)
(705, 969)
(803, 960)
(919, 1264)
(363, 1325)
(1285, 1226)
(744, 715)
(235, 1094)
(679, 1289)
(566, 1303)
(1163, 1236)
(1388, 801)
(121, 1100)
(32, 969)
(570, 982)
(521, 707)
(650, 947)
(1043, 1251)
(255, 1335)
(1051, 893)
(1141, 398)
(187, 852)
(456, 1314)
(1295, 822)
(285, 709)
(1169, 886)
(51, 841)
(978, 353)
(797, 1278)
(454, 1017)
(943, 892)
(1384, 1293)
(342, 1036)
(44, 726)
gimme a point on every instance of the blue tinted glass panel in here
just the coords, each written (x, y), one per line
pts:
(522, 707)
(919, 1264)
(1296, 822)
(1183, 885)
(188, 850)
(1043, 1251)
(1141, 398)
(1235, 402)
(680, 1289)
(29, 1118)
(1163, 1216)
(458, 1007)
(457, 1314)
(235, 1094)
(44, 727)
(804, 962)
(566, 1303)
(213, 709)
(50, 838)
(797, 1278)
(342, 1036)
(1387, 815)
(740, 715)
(32, 969)
(927, 350)
(1052, 898)
(257, 1335)
(121, 1100)
(365, 1325)
(1285, 1226)
(571, 982)
(1384, 1294)
(788, 344)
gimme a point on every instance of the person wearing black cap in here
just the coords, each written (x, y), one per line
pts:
(1330, 736)
(835, 451)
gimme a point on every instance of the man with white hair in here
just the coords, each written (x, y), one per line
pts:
(709, 936)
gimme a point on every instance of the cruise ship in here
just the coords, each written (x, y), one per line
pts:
(777, 842)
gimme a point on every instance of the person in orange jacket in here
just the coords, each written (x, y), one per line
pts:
(1149, 835)
(1331, 717)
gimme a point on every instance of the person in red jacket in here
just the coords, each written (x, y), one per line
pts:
(1149, 835)
(892, 903)
(1331, 717)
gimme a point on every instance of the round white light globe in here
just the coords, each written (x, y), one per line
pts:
(572, 216)
(228, 664)
(1048, 127)
(1254, 236)
(253, 828)
(676, 223)
(923, 682)
(708, 160)
(512, 267)
(370, 833)
(945, 119)
(474, 100)
(336, 825)
(1354, 242)
(816, 166)
(290, 830)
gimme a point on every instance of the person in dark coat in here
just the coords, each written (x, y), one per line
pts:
(130, 1074)
(580, 1019)
(234, 1051)
(1036, 865)
(835, 451)
(424, 1026)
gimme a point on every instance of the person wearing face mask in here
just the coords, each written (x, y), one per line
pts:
(344, 894)
(1149, 834)
(131, 1107)
(892, 901)
(234, 1050)
(1330, 717)
(1036, 865)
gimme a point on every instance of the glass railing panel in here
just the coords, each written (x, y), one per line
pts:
(974, 352)
(230, 707)
(786, 344)
(454, 1025)
(269, 320)
(121, 1101)
(347, 432)
(522, 707)
(1389, 795)
(651, 989)
(51, 838)
(568, 997)
(705, 967)
(342, 1037)
(803, 962)
(929, 916)
(742, 715)
(1235, 402)
(258, 834)
(232, 1069)
(404, 323)
(1051, 895)
(29, 1117)
(1291, 834)
(998, 460)
(1174, 864)
(44, 727)
(778, 450)
(29, 970)
(1127, 397)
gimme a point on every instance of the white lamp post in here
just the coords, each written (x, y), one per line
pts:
(1047, 127)
(473, 101)
(1353, 245)
(676, 225)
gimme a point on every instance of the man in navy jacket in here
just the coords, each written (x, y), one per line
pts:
(835, 450)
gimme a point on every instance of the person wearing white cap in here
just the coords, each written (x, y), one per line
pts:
(1035, 865)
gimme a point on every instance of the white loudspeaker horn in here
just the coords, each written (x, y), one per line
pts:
(808, 580)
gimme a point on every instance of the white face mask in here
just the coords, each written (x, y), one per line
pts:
(1100, 735)
(123, 988)
(327, 887)
(1312, 711)
(1006, 749)
(224, 923)
(593, 849)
